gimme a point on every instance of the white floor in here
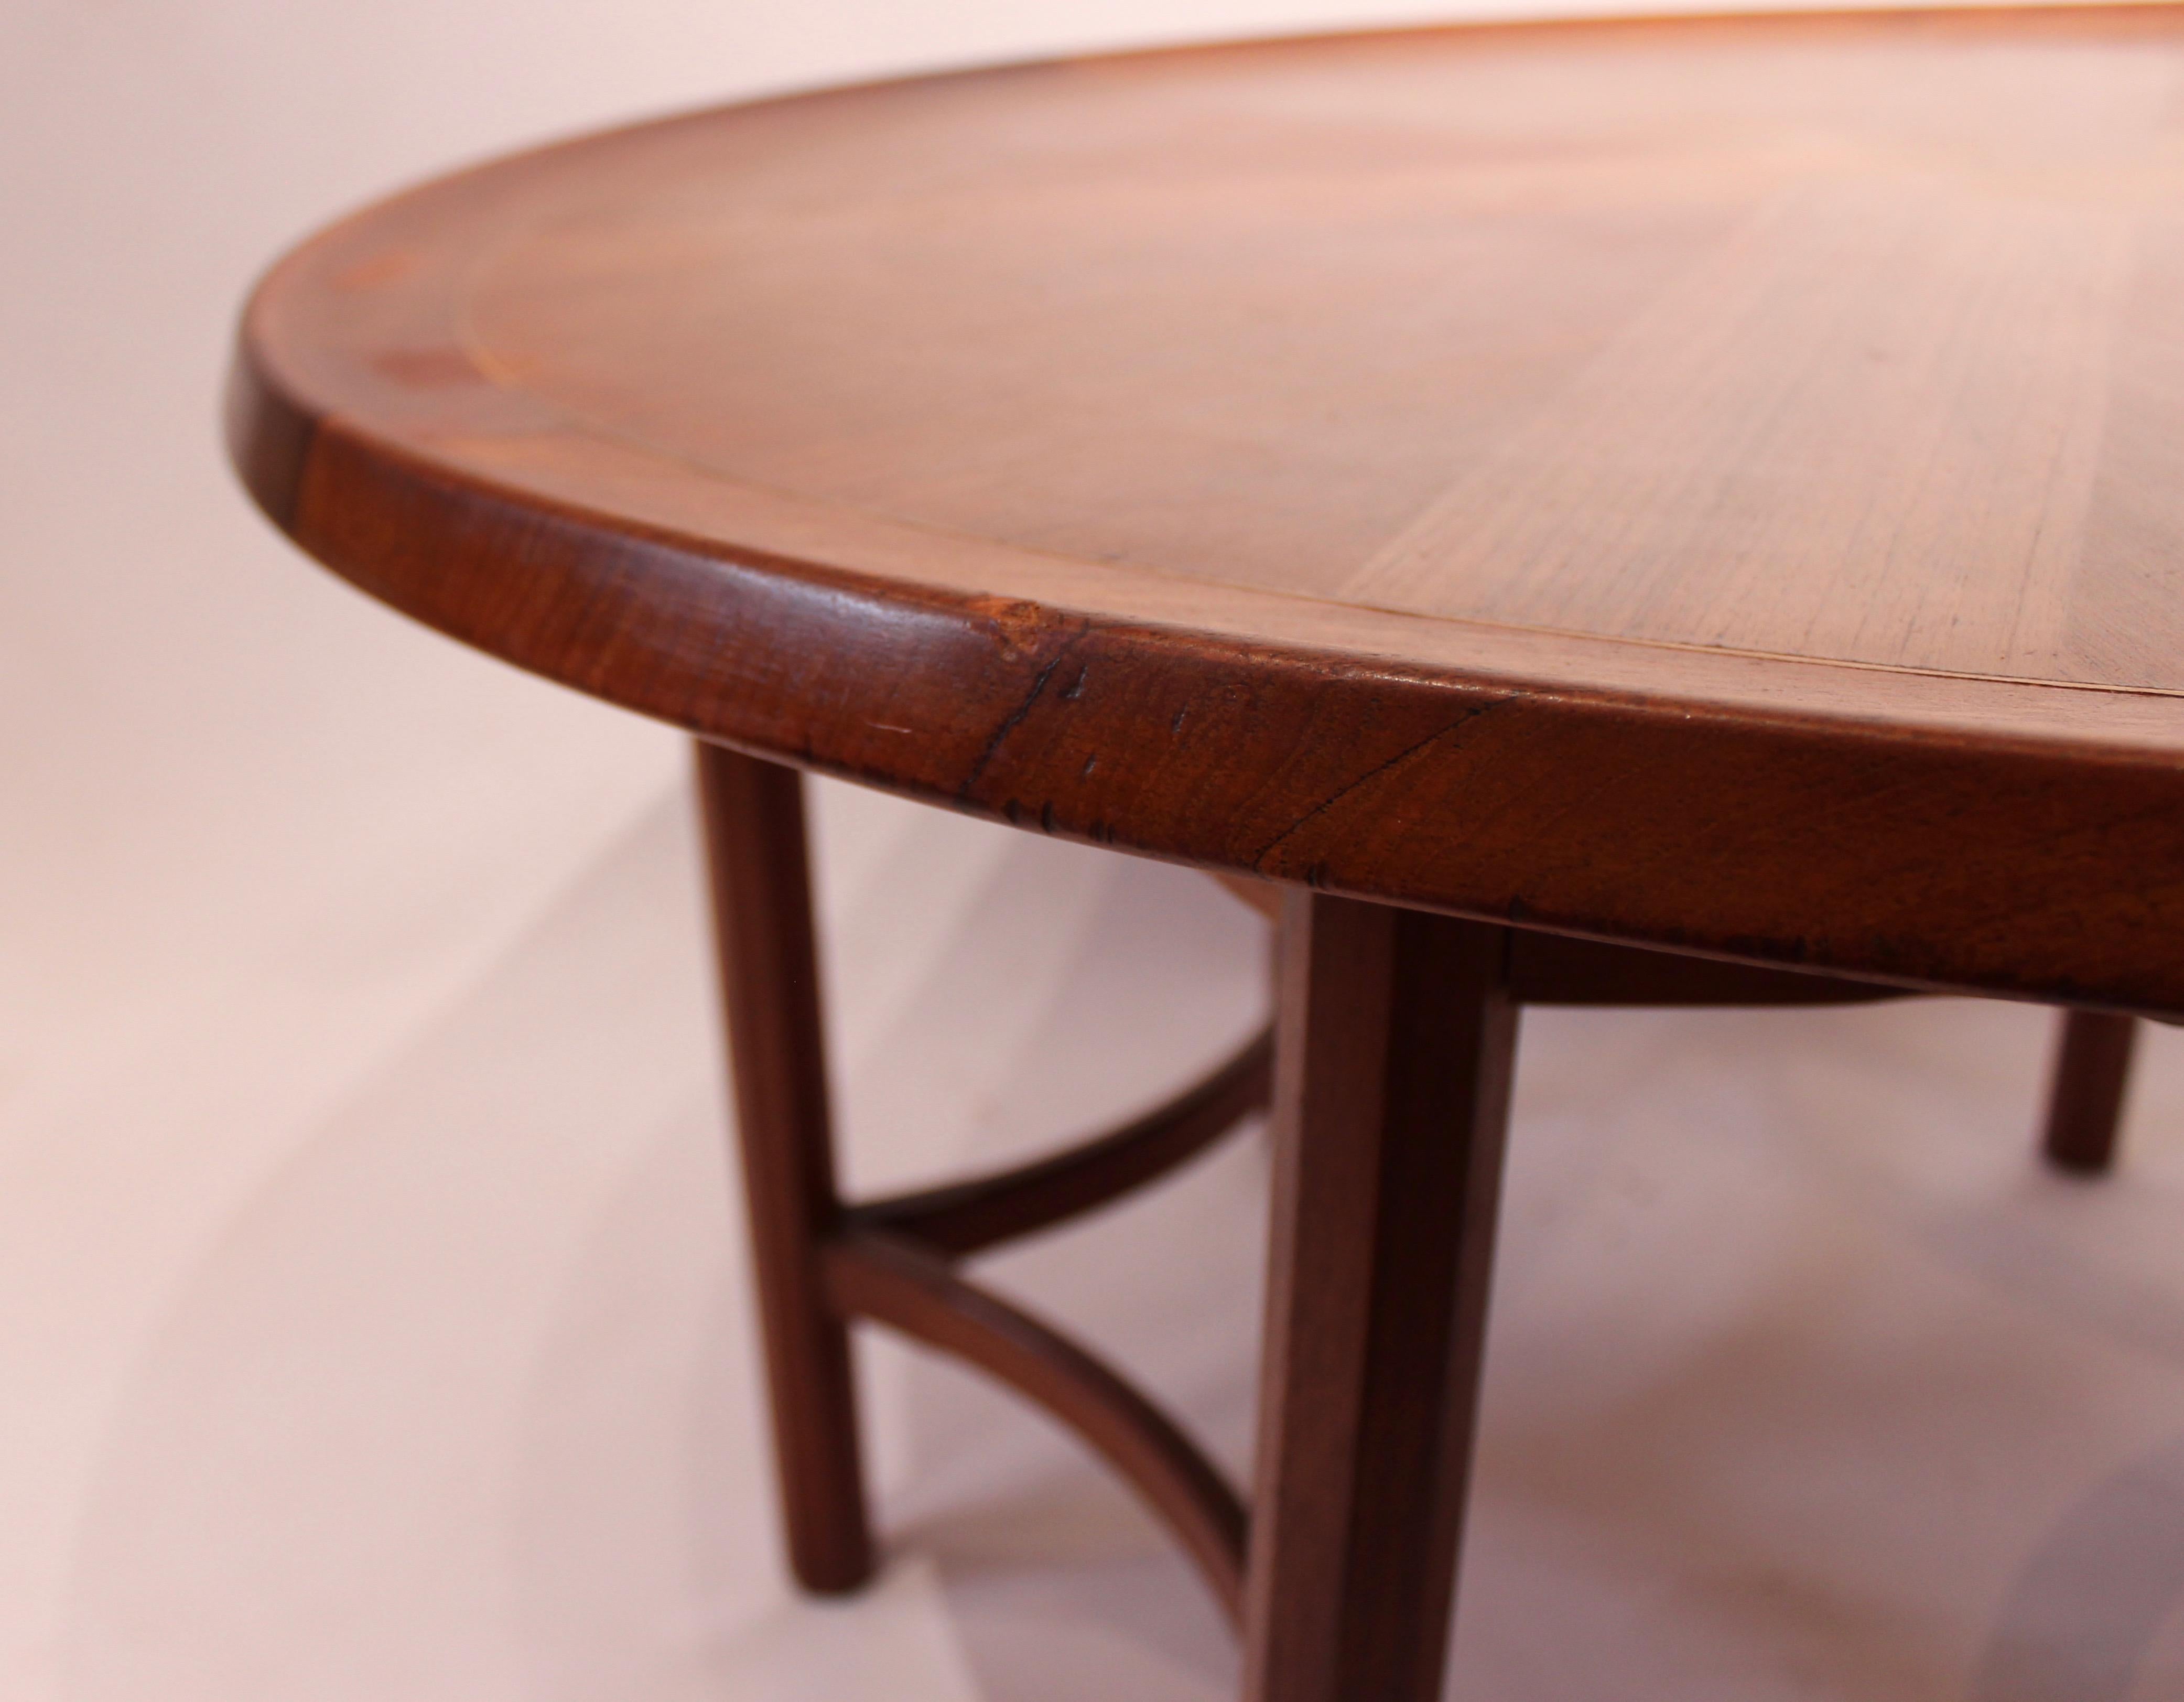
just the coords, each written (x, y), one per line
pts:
(1805, 1382)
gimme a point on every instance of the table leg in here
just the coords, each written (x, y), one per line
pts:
(1397, 1035)
(754, 818)
(2085, 1101)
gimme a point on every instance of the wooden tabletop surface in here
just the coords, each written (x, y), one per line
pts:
(1712, 481)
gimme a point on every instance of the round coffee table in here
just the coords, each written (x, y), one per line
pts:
(1714, 486)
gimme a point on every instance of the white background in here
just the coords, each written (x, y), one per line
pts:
(371, 1308)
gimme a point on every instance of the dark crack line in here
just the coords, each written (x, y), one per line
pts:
(1016, 717)
(1313, 814)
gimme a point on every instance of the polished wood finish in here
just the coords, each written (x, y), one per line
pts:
(960, 1217)
(2093, 1069)
(1750, 314)
(1558, 969)
(1397, 1039)
(896, 1282)
(1705, 483)
(754, 818)
(820, 1263)
(1549, 495)
(1564, 969)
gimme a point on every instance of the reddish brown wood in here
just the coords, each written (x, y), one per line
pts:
(2092, 1061)
(820, 1264)
(960, 1217)
(754, 817)
(2093, 1069)
(1603, 478)
(1564, 969)
(953, 535)
(894, 1281)
(1396, 1042)
(1558, 969)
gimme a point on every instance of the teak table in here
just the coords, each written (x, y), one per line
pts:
(1549, 497)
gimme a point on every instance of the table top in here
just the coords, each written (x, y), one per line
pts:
(1711, 482)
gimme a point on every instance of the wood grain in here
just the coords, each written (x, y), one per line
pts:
(957, 1219)
(1714, 484)
(912, 1289)
(1396, 1040)
(754, 819)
